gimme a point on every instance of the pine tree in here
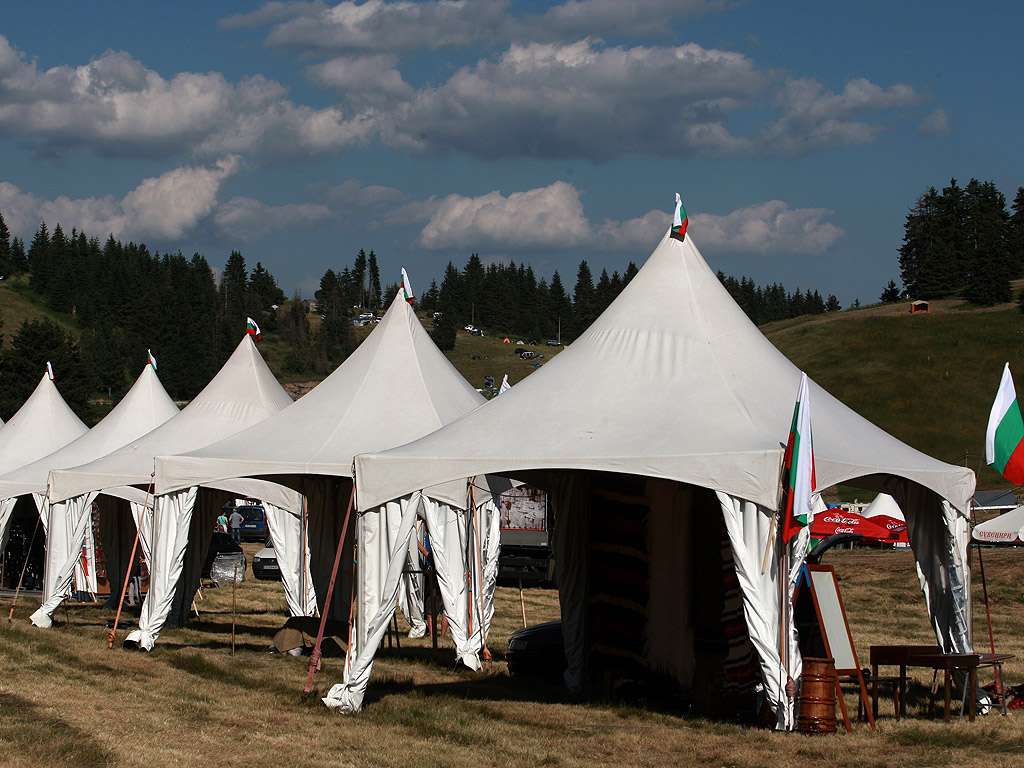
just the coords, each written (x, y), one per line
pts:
(359, 278)
(584, 304)
(374, 292)
(1015, 235)
(891, 293)
(6, 268)
(988, 278)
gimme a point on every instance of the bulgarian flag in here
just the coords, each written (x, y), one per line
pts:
(1005, 433)
(150, 360)
(49, 370)
(406, 286)
(798, 479)
(252, 329)
(679, 220)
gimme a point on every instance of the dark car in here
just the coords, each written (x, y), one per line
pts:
(254, 524)
(264, 564)
(554, 343)
(537, 651)
(220, 543)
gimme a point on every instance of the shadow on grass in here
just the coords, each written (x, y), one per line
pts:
(27, 729)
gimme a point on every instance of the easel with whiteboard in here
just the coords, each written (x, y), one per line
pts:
(835, 631)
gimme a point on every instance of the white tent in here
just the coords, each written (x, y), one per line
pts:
(395, 387)
(144, 407)
(1008, 528)
(243, 392)
(884, 504)
(43, 424)
(670, 411)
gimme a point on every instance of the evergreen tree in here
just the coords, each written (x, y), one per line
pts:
(359, 279)
(891, 294)
(990, 267)
(6, 268)
(584, 303)
(561, 306)
(24, 363)
(39, 260)
(832, 304)
(374, 293)
(1015, 235)
(449, 304)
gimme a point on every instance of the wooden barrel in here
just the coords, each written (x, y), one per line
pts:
(817, 702)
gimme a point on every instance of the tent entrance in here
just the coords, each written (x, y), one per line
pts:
(664, 615)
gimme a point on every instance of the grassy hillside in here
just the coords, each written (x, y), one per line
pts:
(927, 379)
(19, 304)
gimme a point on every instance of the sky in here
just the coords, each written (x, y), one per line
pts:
(798, 134)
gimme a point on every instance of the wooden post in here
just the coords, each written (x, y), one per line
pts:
(234, 585)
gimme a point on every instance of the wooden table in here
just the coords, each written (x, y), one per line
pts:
(895, 656)
(931, 656)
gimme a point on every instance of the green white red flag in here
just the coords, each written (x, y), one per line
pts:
(252, 329)
(406, 286)
(150, 360)
(1005, 434)
(49, 370)
(679, 220)
(798, 478)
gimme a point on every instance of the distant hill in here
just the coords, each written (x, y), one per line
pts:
(928, 379)
(19, 304)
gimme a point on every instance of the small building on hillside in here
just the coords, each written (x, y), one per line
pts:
(918, 307)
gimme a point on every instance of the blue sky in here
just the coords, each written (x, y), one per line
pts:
(798, 134)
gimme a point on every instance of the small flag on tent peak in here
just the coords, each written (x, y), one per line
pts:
(252, 329)
(679, 220)
(505, 386)
(406, 286)
(798, 478)
(1004, 437)
(49, 370)
(150, 360)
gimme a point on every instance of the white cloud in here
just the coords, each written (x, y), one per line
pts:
(810, 120)
(935, 124)
(375, 25)
(247, 220)
(552, 218)
(167, 206)
(575, 18)
(583, 100)
(367, 78)
(767, 228)
(116, 106)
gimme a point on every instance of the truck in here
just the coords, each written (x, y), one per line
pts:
(525, 536)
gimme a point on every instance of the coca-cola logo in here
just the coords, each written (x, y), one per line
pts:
(840, 520)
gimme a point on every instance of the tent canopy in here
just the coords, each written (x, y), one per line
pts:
(395, 387)
(42, 425)
(243, 392)
(672, 381)
(1007, 528)
(145, 407)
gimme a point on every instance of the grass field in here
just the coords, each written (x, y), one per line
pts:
(67, 700)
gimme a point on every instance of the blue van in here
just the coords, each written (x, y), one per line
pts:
(254, 524)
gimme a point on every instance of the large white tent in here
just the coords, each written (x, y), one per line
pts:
(43, 424)
(665, 420)
(242, 393)
(395, 387)
(145, 406)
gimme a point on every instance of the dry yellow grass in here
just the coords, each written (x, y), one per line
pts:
(66, 700)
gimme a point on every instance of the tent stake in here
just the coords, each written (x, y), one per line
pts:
(131, 563)
(314, 658)
(17, 589)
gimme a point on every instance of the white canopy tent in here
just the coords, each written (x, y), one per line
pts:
(144, 407)
(243, 392)
(43, 424)
(1007, 528)
(884, 504)
(395, 387)
(670, 411)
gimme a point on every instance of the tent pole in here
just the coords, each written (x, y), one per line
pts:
(314, 659)
(131, 563)
(480, 576)
(984, 592)
(17, 589)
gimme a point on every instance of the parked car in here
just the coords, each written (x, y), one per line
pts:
(254, 524)
(554, 343)
(264, 564)
(220, 543)
(537, 651)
